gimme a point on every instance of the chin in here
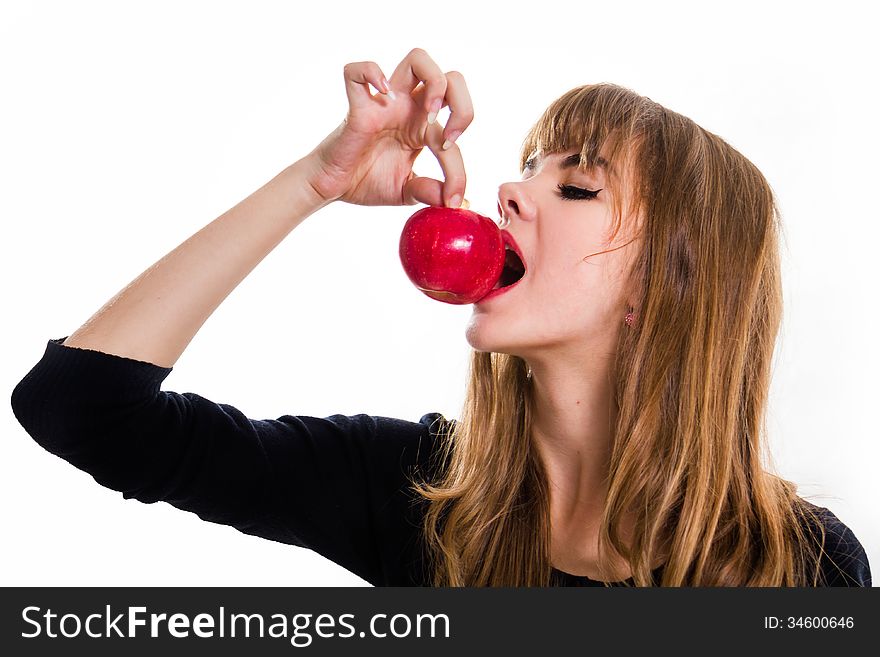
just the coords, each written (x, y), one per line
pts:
(481, 337)
(475, 338)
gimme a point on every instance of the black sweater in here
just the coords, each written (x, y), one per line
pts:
(336, 485)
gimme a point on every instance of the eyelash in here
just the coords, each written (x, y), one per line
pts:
(570, 193)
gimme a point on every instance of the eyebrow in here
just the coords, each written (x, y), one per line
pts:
(572, 161)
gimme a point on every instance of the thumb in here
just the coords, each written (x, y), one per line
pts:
(421, 189)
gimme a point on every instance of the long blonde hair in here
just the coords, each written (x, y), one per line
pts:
(691, 380)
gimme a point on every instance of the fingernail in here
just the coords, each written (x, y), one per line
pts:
(455, 201)
(451, 140)
(435, 109)
(387, 88)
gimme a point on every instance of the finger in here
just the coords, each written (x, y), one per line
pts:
(358, 78)
(423, 190)
(461, 108)
(418, 67)
(454, 176)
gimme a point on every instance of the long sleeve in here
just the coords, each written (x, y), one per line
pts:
(336, 485)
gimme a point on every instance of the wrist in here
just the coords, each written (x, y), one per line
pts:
(313, 172)
(302, 175)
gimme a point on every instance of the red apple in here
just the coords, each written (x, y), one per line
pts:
(453, 255)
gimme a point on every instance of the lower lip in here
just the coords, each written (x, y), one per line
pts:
(500, 290)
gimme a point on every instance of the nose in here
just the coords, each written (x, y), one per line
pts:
(513, 203)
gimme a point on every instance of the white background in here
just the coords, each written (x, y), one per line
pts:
(127, 127)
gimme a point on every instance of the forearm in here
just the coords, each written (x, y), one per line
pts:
(155, 317)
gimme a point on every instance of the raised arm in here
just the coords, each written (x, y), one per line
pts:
(337, 485)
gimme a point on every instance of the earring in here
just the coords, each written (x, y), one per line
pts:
(628, 319)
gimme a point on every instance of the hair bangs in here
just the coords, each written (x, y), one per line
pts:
(589, 119)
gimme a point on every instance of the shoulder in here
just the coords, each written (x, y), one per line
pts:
(437, 431)
(436, 423)
(844, 561)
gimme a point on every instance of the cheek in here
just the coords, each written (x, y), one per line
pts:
(595, 288)
(571, 264)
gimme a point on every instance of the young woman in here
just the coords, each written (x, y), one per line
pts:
(613, 427)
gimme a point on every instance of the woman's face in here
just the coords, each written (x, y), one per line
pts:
(566, 303)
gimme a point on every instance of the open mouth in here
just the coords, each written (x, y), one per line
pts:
(514, 269)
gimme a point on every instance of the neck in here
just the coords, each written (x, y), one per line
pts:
(572, 427)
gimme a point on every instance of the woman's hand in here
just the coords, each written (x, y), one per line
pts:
(368, 159)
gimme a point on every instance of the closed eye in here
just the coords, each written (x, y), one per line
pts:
(571, 193)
